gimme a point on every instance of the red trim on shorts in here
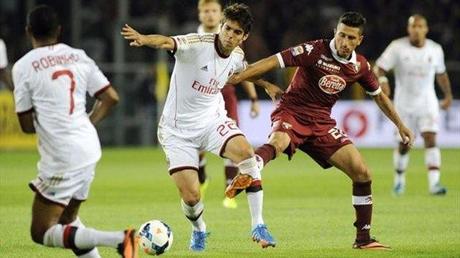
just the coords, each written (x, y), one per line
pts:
(222, 149)
(178, 169)
(34, 188)
(99, 92)
(433, 168)
(25, 112)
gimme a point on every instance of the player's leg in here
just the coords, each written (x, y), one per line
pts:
(51, 208)
(70, 217)
(277, 143)
(240, 151)
(433, 163)
(202, 176)
(47, 230)
(230, 168)
(349, 160)
(400, 163)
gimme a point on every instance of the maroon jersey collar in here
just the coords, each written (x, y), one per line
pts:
(352, 60)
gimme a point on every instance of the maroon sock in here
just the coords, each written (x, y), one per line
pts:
(362, 202)
(267, 152)
(230, 173)
(201, 174)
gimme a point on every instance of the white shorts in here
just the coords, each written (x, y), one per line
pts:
(182, 146)
(60, 188)
(419, 122)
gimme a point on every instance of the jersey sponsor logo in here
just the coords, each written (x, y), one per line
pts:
(331, 84)
(212, 89)
(327, 59)
(327, 66)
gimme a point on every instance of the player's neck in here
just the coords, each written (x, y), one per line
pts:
(210, 29)
(43, 42)
(222, 50)
(418, 43)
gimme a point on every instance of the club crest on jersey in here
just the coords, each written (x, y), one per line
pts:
(357, 67)
(295, 51)
(331, 84)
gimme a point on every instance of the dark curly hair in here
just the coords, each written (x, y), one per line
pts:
(241, 14)
(353, 19)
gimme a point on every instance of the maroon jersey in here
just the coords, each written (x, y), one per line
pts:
(320, 78)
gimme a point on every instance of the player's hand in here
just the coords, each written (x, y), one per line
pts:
(234, 79)
(446, 102)
(255, 108)
(274, 92)
(406, 135)
(137, 39)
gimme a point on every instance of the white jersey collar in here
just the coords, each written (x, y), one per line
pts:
(342, 60)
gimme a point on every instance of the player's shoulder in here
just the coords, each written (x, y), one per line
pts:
(238, 51)
(400, 43)
(193, 38)
(433, 44)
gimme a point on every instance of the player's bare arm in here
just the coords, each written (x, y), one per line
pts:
(103, 105)
(271, 89)
(154, 41)
(255, 70)
(26, 120)
(252, 94)
(5, 77)
(444, 83)
(383, 80)
(388, 109)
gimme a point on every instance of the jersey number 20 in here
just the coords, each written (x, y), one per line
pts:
(59, 73)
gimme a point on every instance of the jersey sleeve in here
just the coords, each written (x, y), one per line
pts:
(185, 46)
(22, 94)
(440, 65)
(3, 55)
(369, 81)
(97, 82)
(387, 60)
(304, 54)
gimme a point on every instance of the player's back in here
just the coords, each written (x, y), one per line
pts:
(53, 81)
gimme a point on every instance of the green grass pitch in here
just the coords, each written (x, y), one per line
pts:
(307, 209)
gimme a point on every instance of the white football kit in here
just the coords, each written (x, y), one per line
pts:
(194, 118)
(415, 69)
(52, 81)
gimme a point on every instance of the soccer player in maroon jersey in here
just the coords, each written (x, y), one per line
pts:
(302, 118)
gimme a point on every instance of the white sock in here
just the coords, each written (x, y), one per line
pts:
(400, 163)
(85, 238)
(433, 162)
(255, 200)
(260, 162)
(202, 162)
(195, 215)
(249, 166)
(94, 253)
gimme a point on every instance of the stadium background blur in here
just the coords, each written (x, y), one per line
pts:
(142, 75)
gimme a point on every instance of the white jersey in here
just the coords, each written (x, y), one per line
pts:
(3, 56)
(53, 82)
(414, 70)
(201, 71)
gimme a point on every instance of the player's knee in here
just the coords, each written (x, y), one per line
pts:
(362, 174)
(245, 152)
(191, 197)
(280, 143)
(403, 149)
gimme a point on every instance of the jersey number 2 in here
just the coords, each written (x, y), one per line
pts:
(59, 73)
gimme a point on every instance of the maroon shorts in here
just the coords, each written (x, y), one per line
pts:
(231, 102)
(318, 139)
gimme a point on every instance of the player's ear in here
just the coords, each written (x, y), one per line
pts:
(28, 31)
(245, 37)
(360, 39)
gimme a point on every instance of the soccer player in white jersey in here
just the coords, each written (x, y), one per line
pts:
(194, 118)
(416, 62)
(210, 15)
(50, 86)
(4, 73)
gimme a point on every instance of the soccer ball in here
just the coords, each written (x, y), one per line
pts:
(155, 237)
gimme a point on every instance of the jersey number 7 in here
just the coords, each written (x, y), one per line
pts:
(59, 73)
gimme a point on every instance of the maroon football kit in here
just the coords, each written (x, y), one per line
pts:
(304, 111)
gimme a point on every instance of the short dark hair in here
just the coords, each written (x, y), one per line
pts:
(43, 22)
(241, 14)
(353, 19)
